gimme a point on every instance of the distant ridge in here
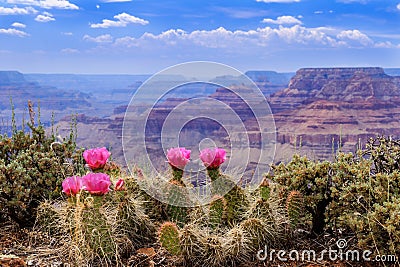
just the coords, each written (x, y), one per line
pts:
(14, 85)
(11, 77)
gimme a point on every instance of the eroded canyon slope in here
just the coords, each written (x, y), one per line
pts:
(320, 111)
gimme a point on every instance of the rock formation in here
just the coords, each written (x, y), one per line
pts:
(324, 110)
(321, 111)
(338, 84)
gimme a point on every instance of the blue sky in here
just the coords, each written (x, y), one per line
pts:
(146, 36)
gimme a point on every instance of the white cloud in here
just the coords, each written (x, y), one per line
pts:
(14, 32)
(47, 4)
(122, 20)
(281, 37)
(58, 4)
(283, 20)
(17, 11)
(67, 33)
(18, 25)
(45, 17)
(319, 12)
(398, 6)
(386, 44)
(354, 37)
(278, 1)
(105, 38)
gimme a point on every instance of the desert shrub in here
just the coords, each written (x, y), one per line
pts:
(312, 180)
(32, 167)
(384, 152)
(367, 196)
(355, 194)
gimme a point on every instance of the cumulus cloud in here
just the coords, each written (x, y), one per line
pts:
(58, 4)
(18, 25)
(17, 11)
(283, 20)
(354, 37)
(45, 17)
(278, 1)
(398, 6)
(105, 38)
(297, 35)
(122, 20)
(14, 32)
(47, 4)
(386, 44)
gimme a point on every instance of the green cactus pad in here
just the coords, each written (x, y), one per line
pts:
(169, 238)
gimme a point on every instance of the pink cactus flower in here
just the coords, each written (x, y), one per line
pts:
(119, 185)
(72, 185)
(96, 158)
(97, 184)
(178, 157)
(213, 158)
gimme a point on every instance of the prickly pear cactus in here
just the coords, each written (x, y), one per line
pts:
(235, 198)
(134, 221)
(169, 238)
(259, 209)
(295, 207)
(264, 189)
(212, 251)
(214, 173)
(190, 243)
(258, 232)
(218, 211)
(177, 201)
(237, 246)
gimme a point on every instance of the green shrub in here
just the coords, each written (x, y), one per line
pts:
(352, 195)
(366, 196)
(312, 180)
(32, 167)
(384, 153)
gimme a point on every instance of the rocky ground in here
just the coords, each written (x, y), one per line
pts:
(22, 247)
